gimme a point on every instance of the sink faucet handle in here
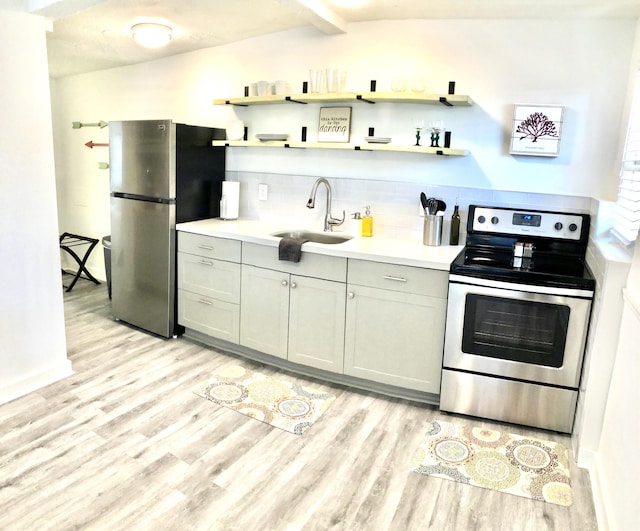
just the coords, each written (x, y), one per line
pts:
(336, 222)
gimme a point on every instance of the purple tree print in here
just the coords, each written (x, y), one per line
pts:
(535, 126)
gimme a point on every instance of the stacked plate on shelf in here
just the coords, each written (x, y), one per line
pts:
(272, 136)
(378, 139)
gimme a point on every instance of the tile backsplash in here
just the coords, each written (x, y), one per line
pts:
(395, 205)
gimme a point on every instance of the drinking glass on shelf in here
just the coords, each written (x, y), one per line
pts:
(418, 124)
(436, 128)
(317, 81)
(342, 80)
(418, 85)
(398, 84)
(333, 81)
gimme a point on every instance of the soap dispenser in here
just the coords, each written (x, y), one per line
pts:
(356, 221)
(367, 222)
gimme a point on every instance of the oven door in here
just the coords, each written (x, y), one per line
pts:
(516, 331)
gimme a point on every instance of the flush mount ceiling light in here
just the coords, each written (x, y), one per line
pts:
(348, 3)
(151, 34)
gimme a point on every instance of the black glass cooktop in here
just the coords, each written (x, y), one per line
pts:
(543, 269)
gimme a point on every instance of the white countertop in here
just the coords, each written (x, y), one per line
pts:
(377, 248)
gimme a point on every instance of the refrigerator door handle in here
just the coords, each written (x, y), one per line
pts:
(136, 197)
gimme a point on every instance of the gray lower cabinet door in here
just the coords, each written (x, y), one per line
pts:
(316, 323)
(209, 277)
(394, 338)
(264, 310)
(210, 316)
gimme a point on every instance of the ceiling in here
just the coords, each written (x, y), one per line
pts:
(93, 35)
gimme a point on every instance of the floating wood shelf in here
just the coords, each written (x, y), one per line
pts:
(449, 100)
(365, 146)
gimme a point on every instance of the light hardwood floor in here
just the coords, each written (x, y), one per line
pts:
(125, 444)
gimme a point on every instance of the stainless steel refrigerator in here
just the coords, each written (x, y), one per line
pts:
(162, 173)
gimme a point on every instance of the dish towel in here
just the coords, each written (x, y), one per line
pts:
(290, 249)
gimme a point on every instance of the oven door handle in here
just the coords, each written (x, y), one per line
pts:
(515, 286)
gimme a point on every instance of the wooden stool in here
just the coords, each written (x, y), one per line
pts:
(67, 241)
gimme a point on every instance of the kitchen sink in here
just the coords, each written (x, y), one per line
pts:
(316, 237)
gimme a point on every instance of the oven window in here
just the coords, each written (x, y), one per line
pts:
(511, 329)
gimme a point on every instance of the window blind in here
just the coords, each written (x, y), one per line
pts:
(627, 212)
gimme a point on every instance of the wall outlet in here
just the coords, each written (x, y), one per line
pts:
(263, 191)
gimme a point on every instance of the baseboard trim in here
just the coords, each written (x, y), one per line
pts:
(341, 379)
(28, 384)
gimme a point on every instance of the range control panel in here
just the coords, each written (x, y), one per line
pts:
(555, 225)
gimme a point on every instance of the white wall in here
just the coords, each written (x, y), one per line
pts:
(580, 64)
(33, 347)
(616, 467)
(607, 424)
(610, 266)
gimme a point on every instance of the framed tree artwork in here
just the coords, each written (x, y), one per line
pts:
(536, 130)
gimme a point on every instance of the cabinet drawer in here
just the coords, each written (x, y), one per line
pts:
(210, 316)
(399, 278)
(212, 278)
(310, 265)
(209, 246)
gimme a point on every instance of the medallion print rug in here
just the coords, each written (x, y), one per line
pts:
(524, 466)
(286, 405)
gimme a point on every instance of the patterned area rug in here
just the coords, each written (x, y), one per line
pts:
(285, 405)
(481, 457)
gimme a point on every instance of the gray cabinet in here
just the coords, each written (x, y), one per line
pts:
(294, 311)
(395, 324)
(371, 320)
(264, 310)
(209, 285)
(316, 323)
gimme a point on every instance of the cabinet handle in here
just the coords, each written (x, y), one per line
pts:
(351, 294)
(293, 285)
(397, 279)
(206, 247)
(205, 262)
(204, 301)
(284, 283)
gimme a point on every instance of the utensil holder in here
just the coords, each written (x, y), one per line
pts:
(432, 233)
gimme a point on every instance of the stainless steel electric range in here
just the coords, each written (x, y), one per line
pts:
(520, 296)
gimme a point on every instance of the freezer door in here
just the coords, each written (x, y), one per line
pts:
(142, 158)
(143, 264)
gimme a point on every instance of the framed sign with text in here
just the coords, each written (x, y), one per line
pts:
(335, 124)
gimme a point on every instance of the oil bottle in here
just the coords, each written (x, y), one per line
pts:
(454, 234)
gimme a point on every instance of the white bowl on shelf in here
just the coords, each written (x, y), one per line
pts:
(235, 130)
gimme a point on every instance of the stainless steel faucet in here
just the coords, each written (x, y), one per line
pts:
(329, 222)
